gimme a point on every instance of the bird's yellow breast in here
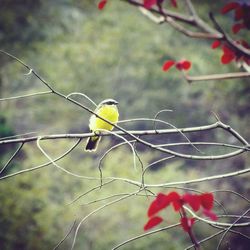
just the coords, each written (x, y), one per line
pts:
(108, 112)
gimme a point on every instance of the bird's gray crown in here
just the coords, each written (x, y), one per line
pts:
(109, 102)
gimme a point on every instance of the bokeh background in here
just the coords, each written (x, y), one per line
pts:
(116, 53)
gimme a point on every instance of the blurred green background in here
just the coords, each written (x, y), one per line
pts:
(116, 53)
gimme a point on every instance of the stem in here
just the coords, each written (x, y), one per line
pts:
(190, 232)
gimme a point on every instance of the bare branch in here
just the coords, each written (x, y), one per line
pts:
(213, 77)
(208, 178)
(145, 235)
(99, 209)
(66, 235)
(134, 132)
(11, 158)
(25, 96)
(230, 226)
(42, 165)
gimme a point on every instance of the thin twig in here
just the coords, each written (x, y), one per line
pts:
(11, 158)
(97, 210)
(90, 191)
(230, 226)
(43, 165)
(66, 235)
(25, 96)
(145, 235)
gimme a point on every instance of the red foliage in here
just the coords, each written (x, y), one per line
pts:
(167, 65)
(187, 223)
(176, 201)
(161, 201)
(181, 65)
(174, 3)
(237, 27)
(195, 201)
(102, 4)
(149, 3)
(229, 53)
(241, 13)
(152, 222)
(229, 6)
(207, 201)
(216, 44)
(210, 214)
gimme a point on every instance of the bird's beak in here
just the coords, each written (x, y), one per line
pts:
(116, 102)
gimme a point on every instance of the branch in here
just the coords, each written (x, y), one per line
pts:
(228, 39)
(25, 96)
(209, 178)
(97, 210)
(133, 132)
(226, 76)
(42, 165)
(145, 235)
(193, 20)
(11, 158)
(230, 226)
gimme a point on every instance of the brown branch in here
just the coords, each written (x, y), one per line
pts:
(178, 26)
(11, 158)
(134, 132)
(193, 20)
(211, 77)
(176, 16)
(244, 51)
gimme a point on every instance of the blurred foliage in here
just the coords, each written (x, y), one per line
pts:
(115, 53)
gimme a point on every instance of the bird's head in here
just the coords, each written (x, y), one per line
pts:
(109, 102)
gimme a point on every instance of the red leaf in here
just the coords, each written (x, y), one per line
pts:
(207, 201)
(192, 200)
(210, 214)
(149, 3)
(154, 221)
(239, 13)
(216, 44)
(183, 65)
(175, 198)
(102, 4)
(227, 58)
(186, 65)
(174, 3)
(187, 223)
(237, 27)
(161, 201)
(167, 65)
(227, 50)
(228, 55)
(230, 6)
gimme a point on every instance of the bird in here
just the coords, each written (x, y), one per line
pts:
(108, 110)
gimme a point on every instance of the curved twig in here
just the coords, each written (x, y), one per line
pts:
(66, 235)
(42, 165)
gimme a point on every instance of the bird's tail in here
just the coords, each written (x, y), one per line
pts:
(92, 143)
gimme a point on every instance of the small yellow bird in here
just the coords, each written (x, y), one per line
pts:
(108, 110)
